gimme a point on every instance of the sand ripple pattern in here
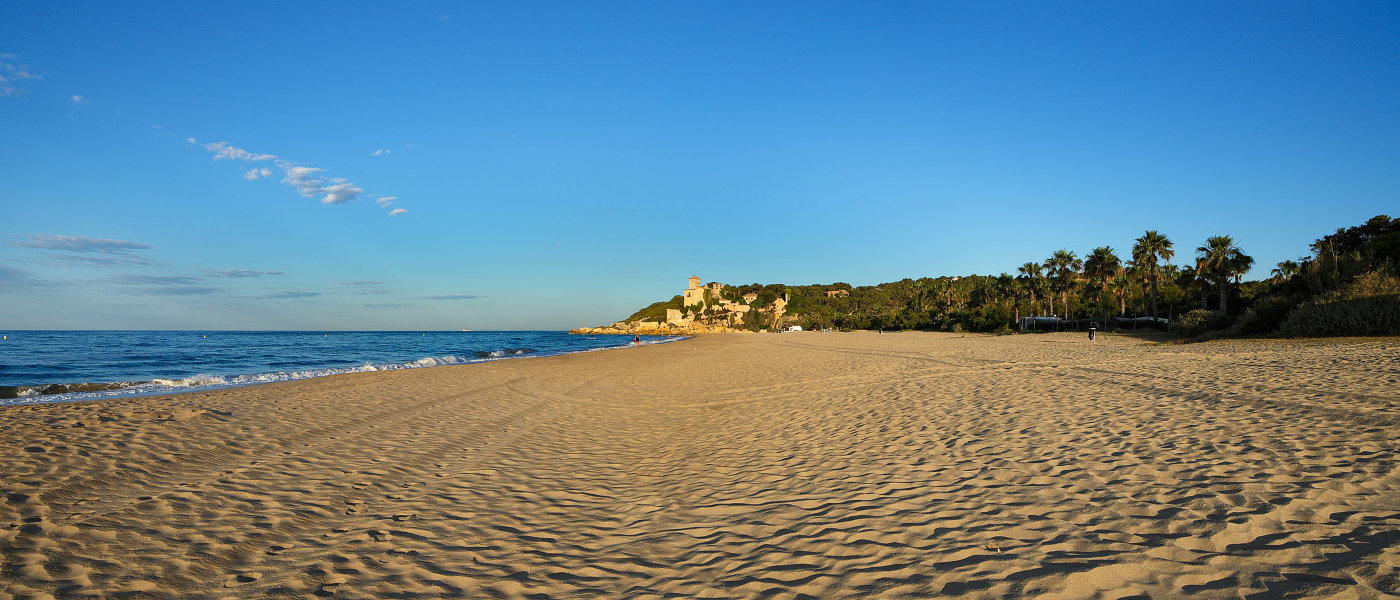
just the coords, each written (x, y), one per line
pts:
(795, 466)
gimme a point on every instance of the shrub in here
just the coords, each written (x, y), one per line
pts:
(1199, 321)
(1266, 316)
(1369, 305)
(656, 311)
(1375, 315)
(1375, 283)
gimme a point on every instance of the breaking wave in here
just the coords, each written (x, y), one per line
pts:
(504, 353)
(49, 393)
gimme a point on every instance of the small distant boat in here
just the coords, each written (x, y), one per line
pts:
(466, 330)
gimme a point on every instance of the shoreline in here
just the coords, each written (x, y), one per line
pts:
(739, 466)
(49, 393)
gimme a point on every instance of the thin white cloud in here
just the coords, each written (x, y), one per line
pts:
(453, 297)
(79, 251)
(79, 260)
(381, 152)
(181, 290)
(223, 150)
(78, 100)
(11, 76)
(340, 193)
(9, 275)
(238, 273)
(308, 181)
(368, 288)
(134, 279)
(77, 243)
(305, 180)
(164, 285)
(388, 201)
(15, 280)
(289, 295)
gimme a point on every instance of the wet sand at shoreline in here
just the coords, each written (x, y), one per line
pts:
(808, 465)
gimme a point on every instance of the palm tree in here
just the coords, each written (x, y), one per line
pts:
(1042, 287)
(1136, 272)
(1030, 272)
(1146, 251)
(1121, 285)
(920, 294)
(1188, 279)
(1285, 271)
(1063, 265)
(1172, 273)
(1101, 267)
(1008, 290)
(1222, 260)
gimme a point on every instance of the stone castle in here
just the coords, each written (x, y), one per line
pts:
(704, 309)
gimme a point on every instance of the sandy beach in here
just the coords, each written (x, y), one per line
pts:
(808, 465)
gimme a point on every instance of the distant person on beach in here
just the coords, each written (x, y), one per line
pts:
(637, 339)
(1092, 331)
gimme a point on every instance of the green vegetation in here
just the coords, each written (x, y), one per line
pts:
(1199, 321)
(1221, 260)
(1147, 250)
(1369, 305)
(1347, 286)
(656, 311)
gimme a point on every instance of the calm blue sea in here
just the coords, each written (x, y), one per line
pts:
(61, 366)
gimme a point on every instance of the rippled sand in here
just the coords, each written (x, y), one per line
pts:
(748, 466)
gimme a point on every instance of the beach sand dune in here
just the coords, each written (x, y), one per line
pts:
(807, 465)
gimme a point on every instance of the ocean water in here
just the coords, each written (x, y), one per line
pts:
(62, 366)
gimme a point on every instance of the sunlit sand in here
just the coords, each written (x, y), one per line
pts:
(810, 465)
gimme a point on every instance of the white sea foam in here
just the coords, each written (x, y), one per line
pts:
(204, 381)
(192, 381)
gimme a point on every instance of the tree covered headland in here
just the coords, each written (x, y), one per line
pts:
(1347, 286)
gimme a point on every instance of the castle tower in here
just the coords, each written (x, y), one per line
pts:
(694, 294)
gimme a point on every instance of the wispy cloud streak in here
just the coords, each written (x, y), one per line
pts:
(9, 275)
(222, 150)
(100, 261)
(76, 250)
(290, 295)
(164, 285)
(12, 75)
(134, 279)
(77, 243)
(238, 273)
(368, 288)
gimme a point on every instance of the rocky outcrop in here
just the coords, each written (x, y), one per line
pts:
(654, 328)
(702, 310)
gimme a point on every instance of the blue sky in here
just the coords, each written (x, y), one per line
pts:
(452, 165)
